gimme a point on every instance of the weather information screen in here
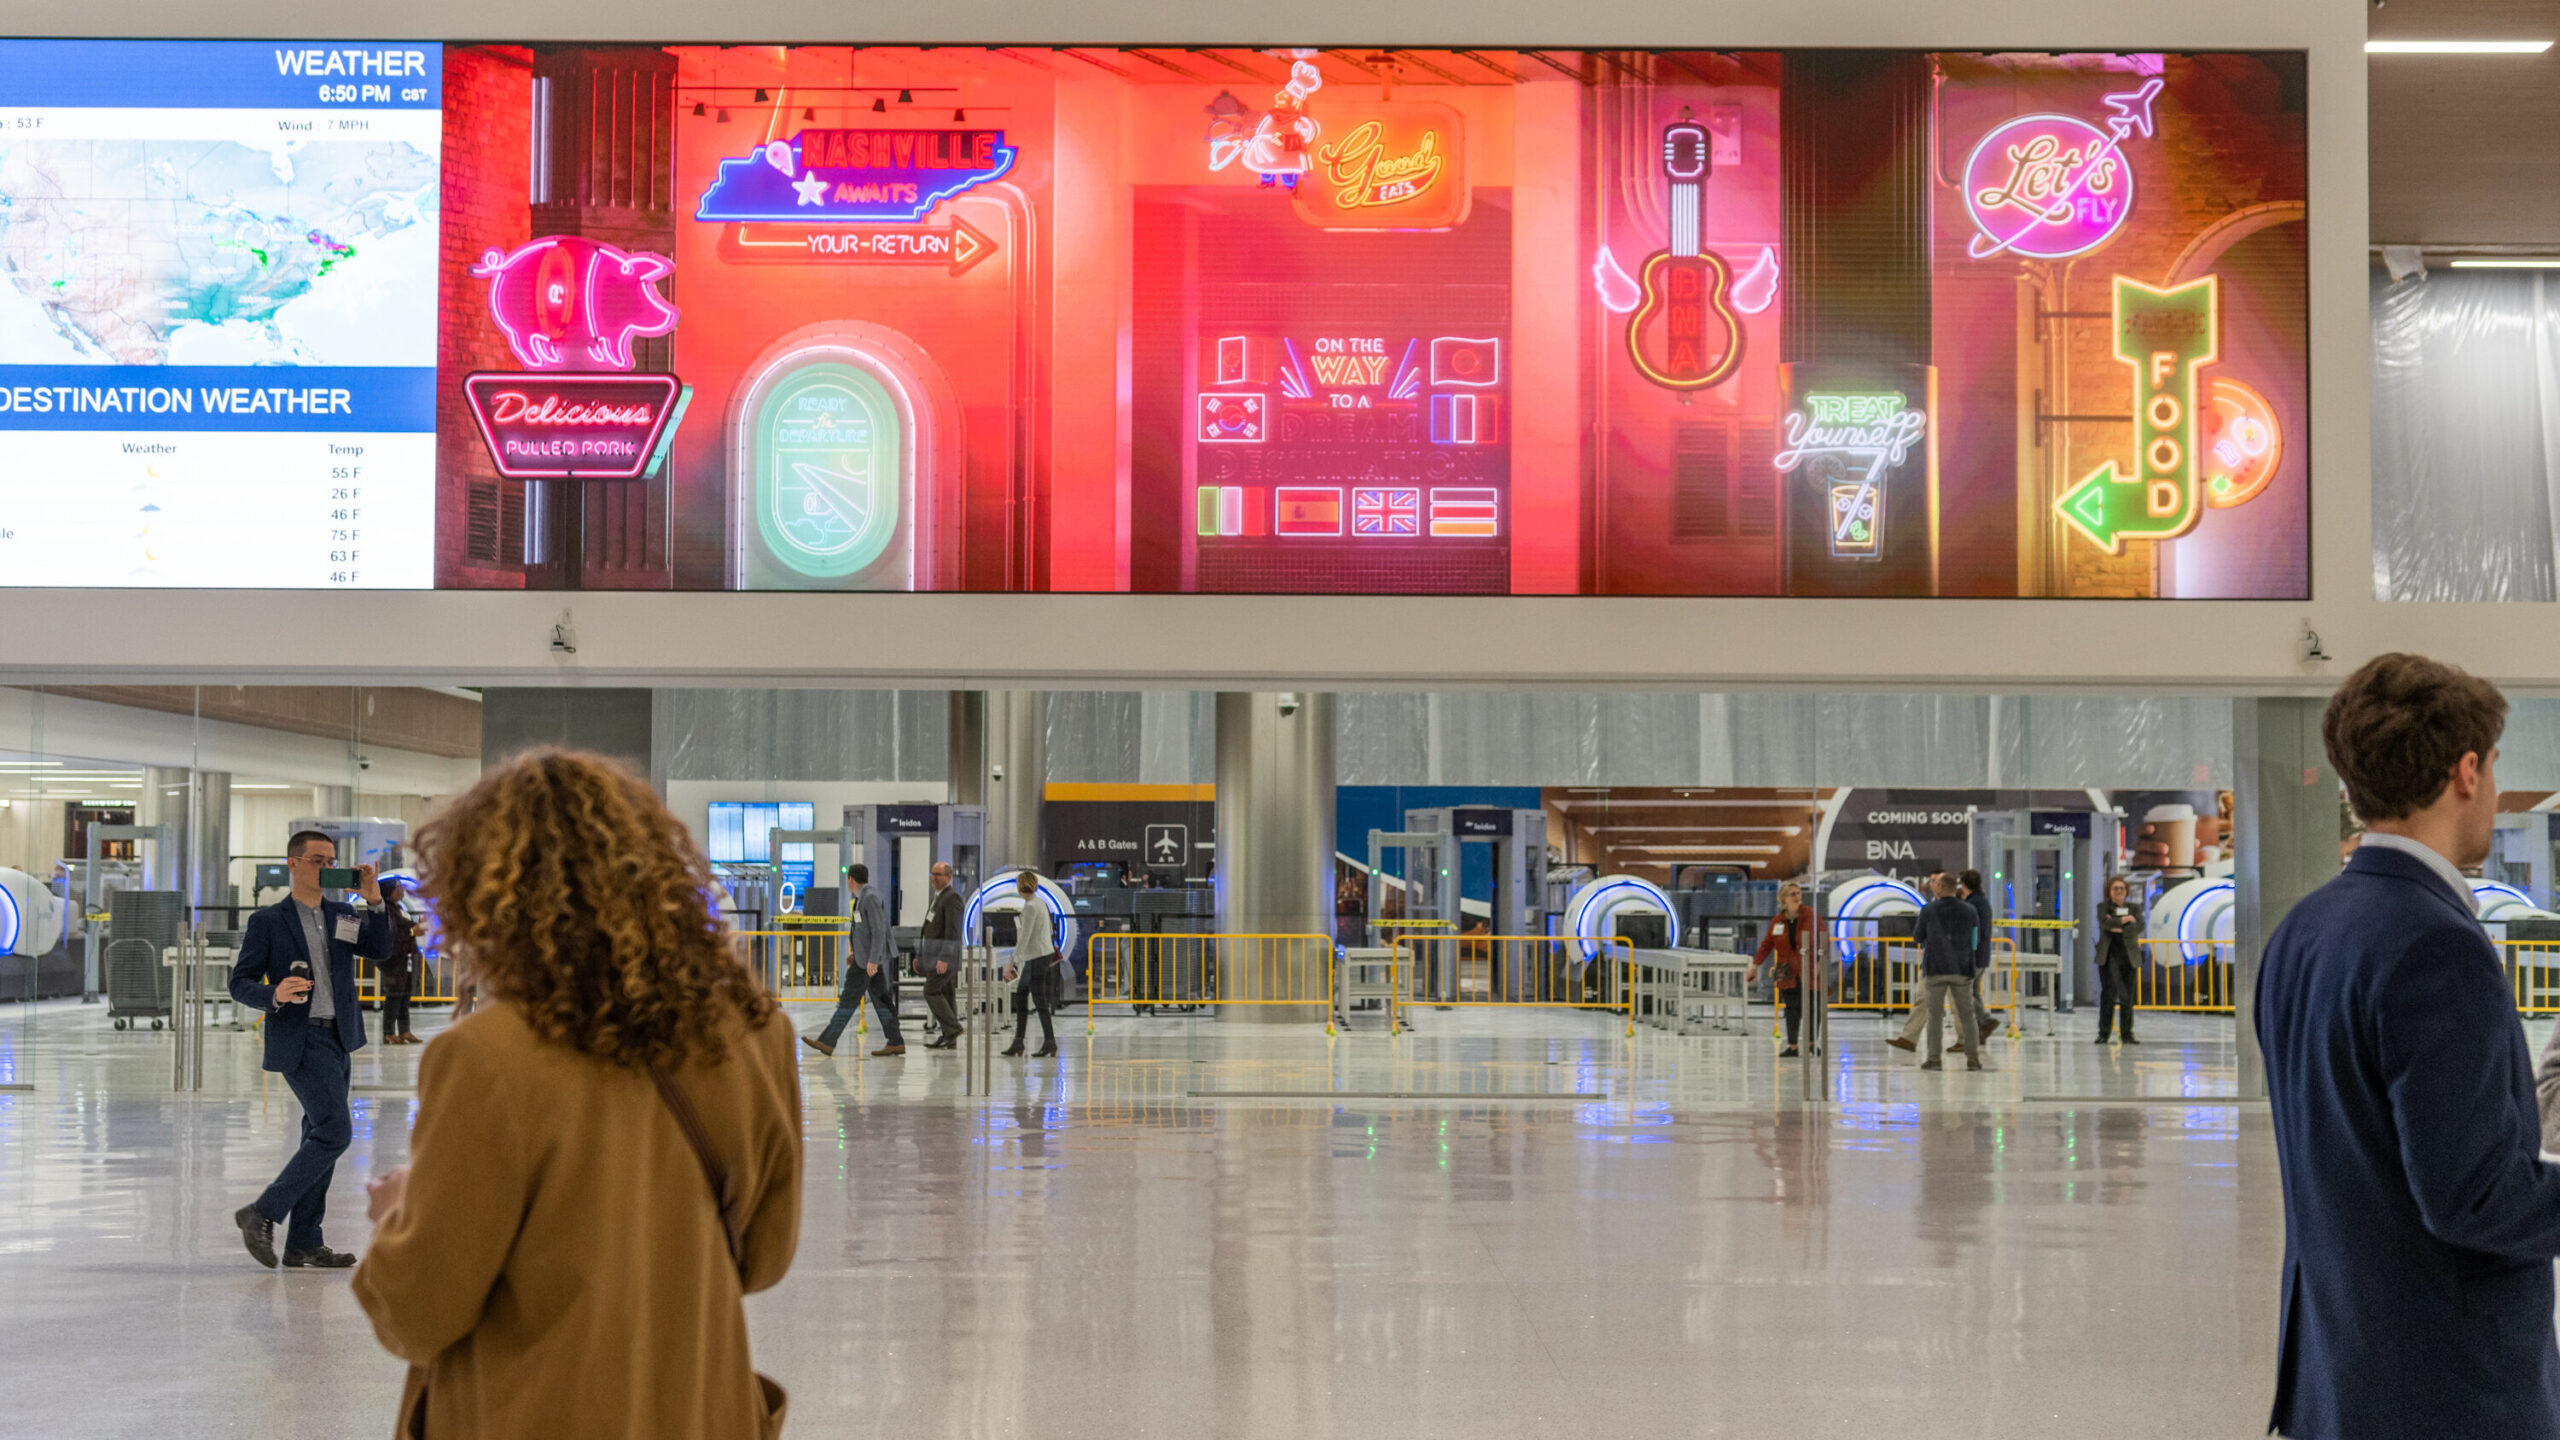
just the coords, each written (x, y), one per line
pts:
(218, 313)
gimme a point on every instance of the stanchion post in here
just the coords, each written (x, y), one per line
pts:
(195, 1024)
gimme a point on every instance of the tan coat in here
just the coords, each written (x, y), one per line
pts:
(556, 1268)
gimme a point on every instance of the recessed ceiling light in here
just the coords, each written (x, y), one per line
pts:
(2456, 47)
(2547, 262)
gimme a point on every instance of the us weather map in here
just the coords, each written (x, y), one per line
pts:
(218, 309)
(154, 252)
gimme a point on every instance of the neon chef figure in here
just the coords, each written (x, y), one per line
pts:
(1280, 144)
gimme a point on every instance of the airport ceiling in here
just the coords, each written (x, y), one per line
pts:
(2461, 146)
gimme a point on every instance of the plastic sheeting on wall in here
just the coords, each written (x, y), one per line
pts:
(2466, 436)
(2529, 751)
(1620, 738)
(741, 735)
(1517, 738)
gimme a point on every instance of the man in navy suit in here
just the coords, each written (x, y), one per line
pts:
(313, 1024)
(2420, 1226)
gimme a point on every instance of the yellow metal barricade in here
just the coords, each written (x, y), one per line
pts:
(2190, 976)
(429, 983)
(1179, 972)
(2534, 966)
(1874, 974)
(1514, 972)
(797, 962)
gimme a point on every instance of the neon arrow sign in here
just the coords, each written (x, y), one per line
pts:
(2166, 336)
(2053, 186)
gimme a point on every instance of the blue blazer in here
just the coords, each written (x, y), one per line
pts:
(2419, 1225)
(268, 949)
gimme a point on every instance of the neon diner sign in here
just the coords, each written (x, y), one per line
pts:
(570, 309)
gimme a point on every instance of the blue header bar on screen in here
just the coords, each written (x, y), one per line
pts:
(370, 398)
(221, 74)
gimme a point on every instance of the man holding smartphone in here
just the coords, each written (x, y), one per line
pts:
(298, 963)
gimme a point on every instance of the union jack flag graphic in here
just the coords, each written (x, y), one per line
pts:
(1386, 512)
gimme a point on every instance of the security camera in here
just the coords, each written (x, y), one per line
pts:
(364, 762)
(996, 773)
(1289, 703)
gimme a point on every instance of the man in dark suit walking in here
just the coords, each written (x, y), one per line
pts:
(2419, 1225)
(938, 957)
(313, 1024)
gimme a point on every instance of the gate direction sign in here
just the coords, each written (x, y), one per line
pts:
(956, 248)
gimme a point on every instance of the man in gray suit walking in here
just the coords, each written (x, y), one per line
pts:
(870, 967)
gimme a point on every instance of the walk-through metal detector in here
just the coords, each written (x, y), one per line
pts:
(1519, 841)
(1430, 884)
(1433, 841)
(2048, 865)
(901, 844)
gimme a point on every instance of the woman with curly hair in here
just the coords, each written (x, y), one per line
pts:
(606, 1157)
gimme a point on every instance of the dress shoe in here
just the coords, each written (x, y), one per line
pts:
(318, 1257)
(1976, 1065)
(1790, 1050)
(258, 1233)
(888, 1050)
(1011, 1050)
(1931, 1065)
(821, 1046)
(1044, 1052)
(1956, 1049)
(2102, 1039)
(408, 1039)
(2129, 1040)
(1898, 1043)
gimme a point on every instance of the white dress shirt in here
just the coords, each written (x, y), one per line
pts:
(2453, 879)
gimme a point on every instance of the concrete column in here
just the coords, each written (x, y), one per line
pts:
(165, 790)
(1275, 832)
(2284, 812)
(209, 845)
(968, 747)
(1017, 775)
(613, 722)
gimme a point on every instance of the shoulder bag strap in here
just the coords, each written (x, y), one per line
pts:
(712, 1170)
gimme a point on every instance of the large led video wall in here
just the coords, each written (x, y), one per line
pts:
(1152, 319)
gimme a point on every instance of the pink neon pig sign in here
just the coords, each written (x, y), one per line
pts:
(566, 302)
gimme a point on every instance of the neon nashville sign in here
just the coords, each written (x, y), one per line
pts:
(822, 177)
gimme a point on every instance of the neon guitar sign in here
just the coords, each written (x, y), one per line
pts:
(1684, 335)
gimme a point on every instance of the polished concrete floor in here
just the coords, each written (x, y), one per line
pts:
(2082, 1241)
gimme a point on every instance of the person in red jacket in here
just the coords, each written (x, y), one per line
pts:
(1789, 937)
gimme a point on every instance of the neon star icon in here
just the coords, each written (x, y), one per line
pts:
(813, 191)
